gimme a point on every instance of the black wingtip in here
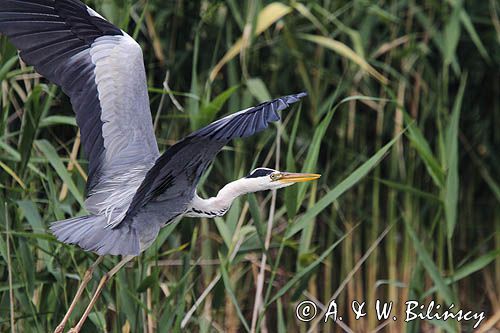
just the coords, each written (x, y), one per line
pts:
(294, 98)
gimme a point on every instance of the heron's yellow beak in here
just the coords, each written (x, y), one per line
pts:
(288, 177)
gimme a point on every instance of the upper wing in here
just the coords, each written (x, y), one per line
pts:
(101, 69)
(176, 173)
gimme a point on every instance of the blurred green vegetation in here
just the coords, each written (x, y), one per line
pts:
(401, 121)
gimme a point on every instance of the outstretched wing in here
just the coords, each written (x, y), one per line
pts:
(101, 69)
(176, 173)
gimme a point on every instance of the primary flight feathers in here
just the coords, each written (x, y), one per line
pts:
(99, 67)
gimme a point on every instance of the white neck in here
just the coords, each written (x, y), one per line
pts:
(220, 204)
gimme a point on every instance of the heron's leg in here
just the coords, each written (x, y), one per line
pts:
(98, 291)
(86, 278)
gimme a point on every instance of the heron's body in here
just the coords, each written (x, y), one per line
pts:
(132, 190)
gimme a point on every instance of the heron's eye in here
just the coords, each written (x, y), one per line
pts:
(275, 176)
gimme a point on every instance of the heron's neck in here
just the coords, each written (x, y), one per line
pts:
(220, 204)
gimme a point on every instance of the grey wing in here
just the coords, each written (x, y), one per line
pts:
(173, 178)
(101, 69)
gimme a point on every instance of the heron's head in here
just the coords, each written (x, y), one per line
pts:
(262, 179)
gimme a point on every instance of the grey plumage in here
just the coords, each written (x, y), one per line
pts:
(90, 234)
(132, 191)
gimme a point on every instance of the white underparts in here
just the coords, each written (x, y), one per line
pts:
(220, 204)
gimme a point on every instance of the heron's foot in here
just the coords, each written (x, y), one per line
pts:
(59, 328)
(74, 330)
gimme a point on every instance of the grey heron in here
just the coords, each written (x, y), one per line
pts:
(132, 191)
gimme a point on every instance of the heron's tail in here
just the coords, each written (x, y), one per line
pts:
(90, 233)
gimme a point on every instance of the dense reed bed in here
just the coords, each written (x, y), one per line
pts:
(401, 121)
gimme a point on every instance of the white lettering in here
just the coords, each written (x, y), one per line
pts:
(410, 305)
(385, 312)
(332, 311)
